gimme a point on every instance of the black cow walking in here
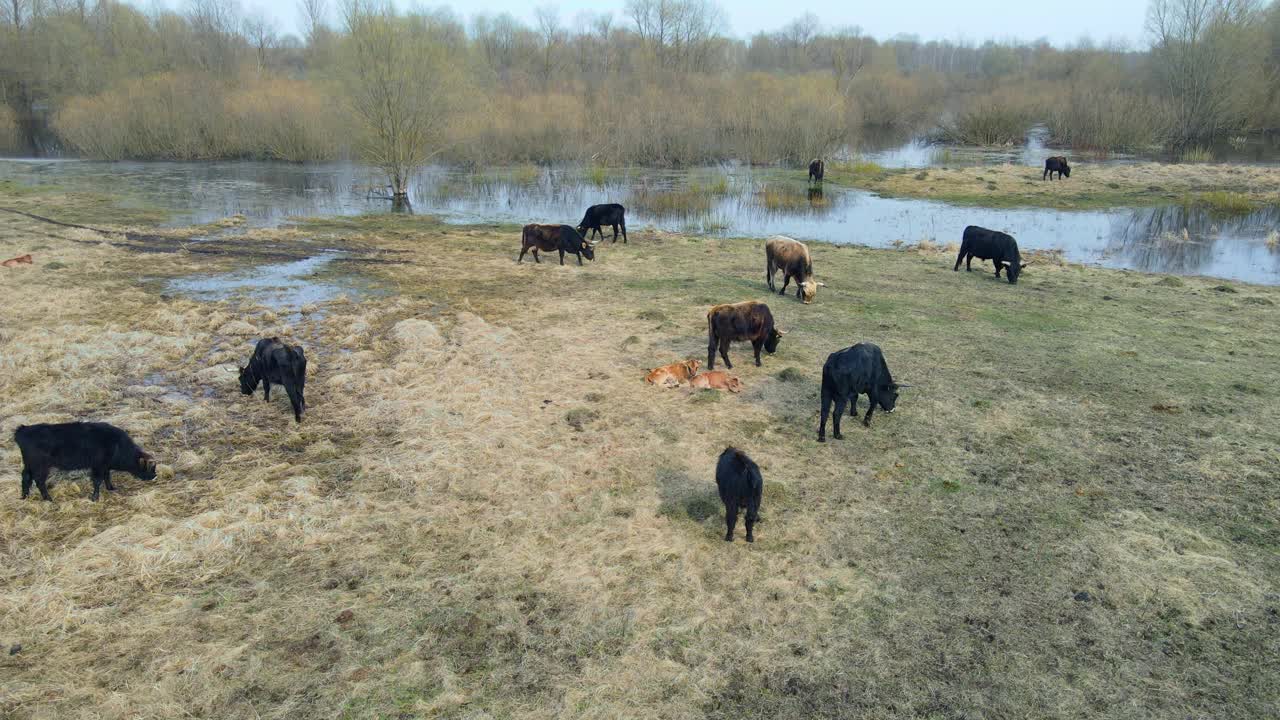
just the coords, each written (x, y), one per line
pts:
(611, 214)
(854, 371)
(1056, 164)
(275, 362)
(740, 485)
(96, 447)
(816, 171)
(1000, 248)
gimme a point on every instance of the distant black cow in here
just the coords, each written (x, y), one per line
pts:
(611, 214)
(1056, 164)
(816, 169)
(548, 238)
(854, 371)
(275, 362)
(749, 320)
(740, 485)
(96, 447)
(1000, 248)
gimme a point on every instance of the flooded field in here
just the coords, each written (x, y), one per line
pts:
(729, 200)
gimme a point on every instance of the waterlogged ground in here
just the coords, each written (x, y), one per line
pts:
(1143, 216)
(486, 512)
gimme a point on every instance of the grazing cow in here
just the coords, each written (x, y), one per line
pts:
(611, 214)
(547, 238)
(275, 362)
(1000, 248)
(1056, 164)
(96, 447)
(816, 170)
(857, 370)
(749, 320)
(20, 260)
(673, 374)
(740, 484)
(792, 258)
(716, 380)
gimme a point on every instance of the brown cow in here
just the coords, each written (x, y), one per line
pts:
(673, 374)
(716, 380)
(548, 238)
(792, 258)
(816, 169)
(748, 320)
(20, 260)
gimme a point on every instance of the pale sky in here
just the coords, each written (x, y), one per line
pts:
(971, 20)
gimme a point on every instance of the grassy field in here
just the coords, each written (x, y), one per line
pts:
(487, 514)
(1231, 188)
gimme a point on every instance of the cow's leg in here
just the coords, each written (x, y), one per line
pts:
(835, 419)
(711, 351)
(96, 474)
(26, 482)
(768, 273)
(106, 480)
(959, 259)
(41, 477)
(998, 266)
(523, 250)
(730, 518)
(1044, 174)
(786, 280)
(823, 414)
(615, 232)
(562, 257)
(295, 400)
(724, 353)
(968, 263)
(580, 254)
(757, 346)
(535, 256)
(853, 405)
(266, 389)
(753, 512)
(873, 398)
(623, 224)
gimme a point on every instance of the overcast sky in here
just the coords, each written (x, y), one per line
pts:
(972, 20)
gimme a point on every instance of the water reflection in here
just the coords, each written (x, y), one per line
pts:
(730, 200)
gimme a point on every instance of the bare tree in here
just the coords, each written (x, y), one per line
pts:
(550, 36)
(261, 33)
(401, 88)
(314, 18)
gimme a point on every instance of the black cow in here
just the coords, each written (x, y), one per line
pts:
(554, 237)
(1056, 164)
(816, 169)
(1000, 248)
(855, 371)
(740, 485)
(96, 447)
(275, 362)
(749, 320)
(611, 214)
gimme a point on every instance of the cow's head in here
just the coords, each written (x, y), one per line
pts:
(1014, 269)
(1066, 169)
(248, 381)
(144, 467)
(771, 342)
(692, 366)
(587, 251)
(734, 385)
(808, 291)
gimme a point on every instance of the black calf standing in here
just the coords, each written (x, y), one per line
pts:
(273, 361)
(96, 447)
(740, 485)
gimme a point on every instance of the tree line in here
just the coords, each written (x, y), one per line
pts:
(659, 83)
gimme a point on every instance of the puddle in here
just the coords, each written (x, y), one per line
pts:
(282, 287)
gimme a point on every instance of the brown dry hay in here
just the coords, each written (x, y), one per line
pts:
(497, 562)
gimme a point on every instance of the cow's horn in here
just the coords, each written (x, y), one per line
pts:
(905, 385)
(822, 284)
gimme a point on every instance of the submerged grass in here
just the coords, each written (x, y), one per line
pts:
(454, 531)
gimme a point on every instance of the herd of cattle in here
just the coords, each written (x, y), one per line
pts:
(858, 370)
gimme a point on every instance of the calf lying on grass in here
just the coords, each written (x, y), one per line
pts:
(674, 374)
(716, 380)
(96, 447)
(273, 361)
(740, 485)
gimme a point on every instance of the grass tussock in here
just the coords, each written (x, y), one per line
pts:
(1223, 202)
(1196, 155)
(988, 124)
(437, 538)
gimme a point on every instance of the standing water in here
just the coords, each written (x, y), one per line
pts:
(730, 200)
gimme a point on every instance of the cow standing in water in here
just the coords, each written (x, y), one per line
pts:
(816, 171)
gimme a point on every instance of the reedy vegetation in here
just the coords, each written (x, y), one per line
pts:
(662, 84)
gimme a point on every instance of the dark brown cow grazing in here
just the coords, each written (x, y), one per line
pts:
(1056, 164)
(815, 171)
(749, 320)
(549, 238)
(792, 258)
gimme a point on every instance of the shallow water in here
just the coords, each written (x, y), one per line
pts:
(281, 286)
(733, 204)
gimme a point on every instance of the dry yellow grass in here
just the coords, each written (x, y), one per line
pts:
(1090, 185)
(437, 539)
